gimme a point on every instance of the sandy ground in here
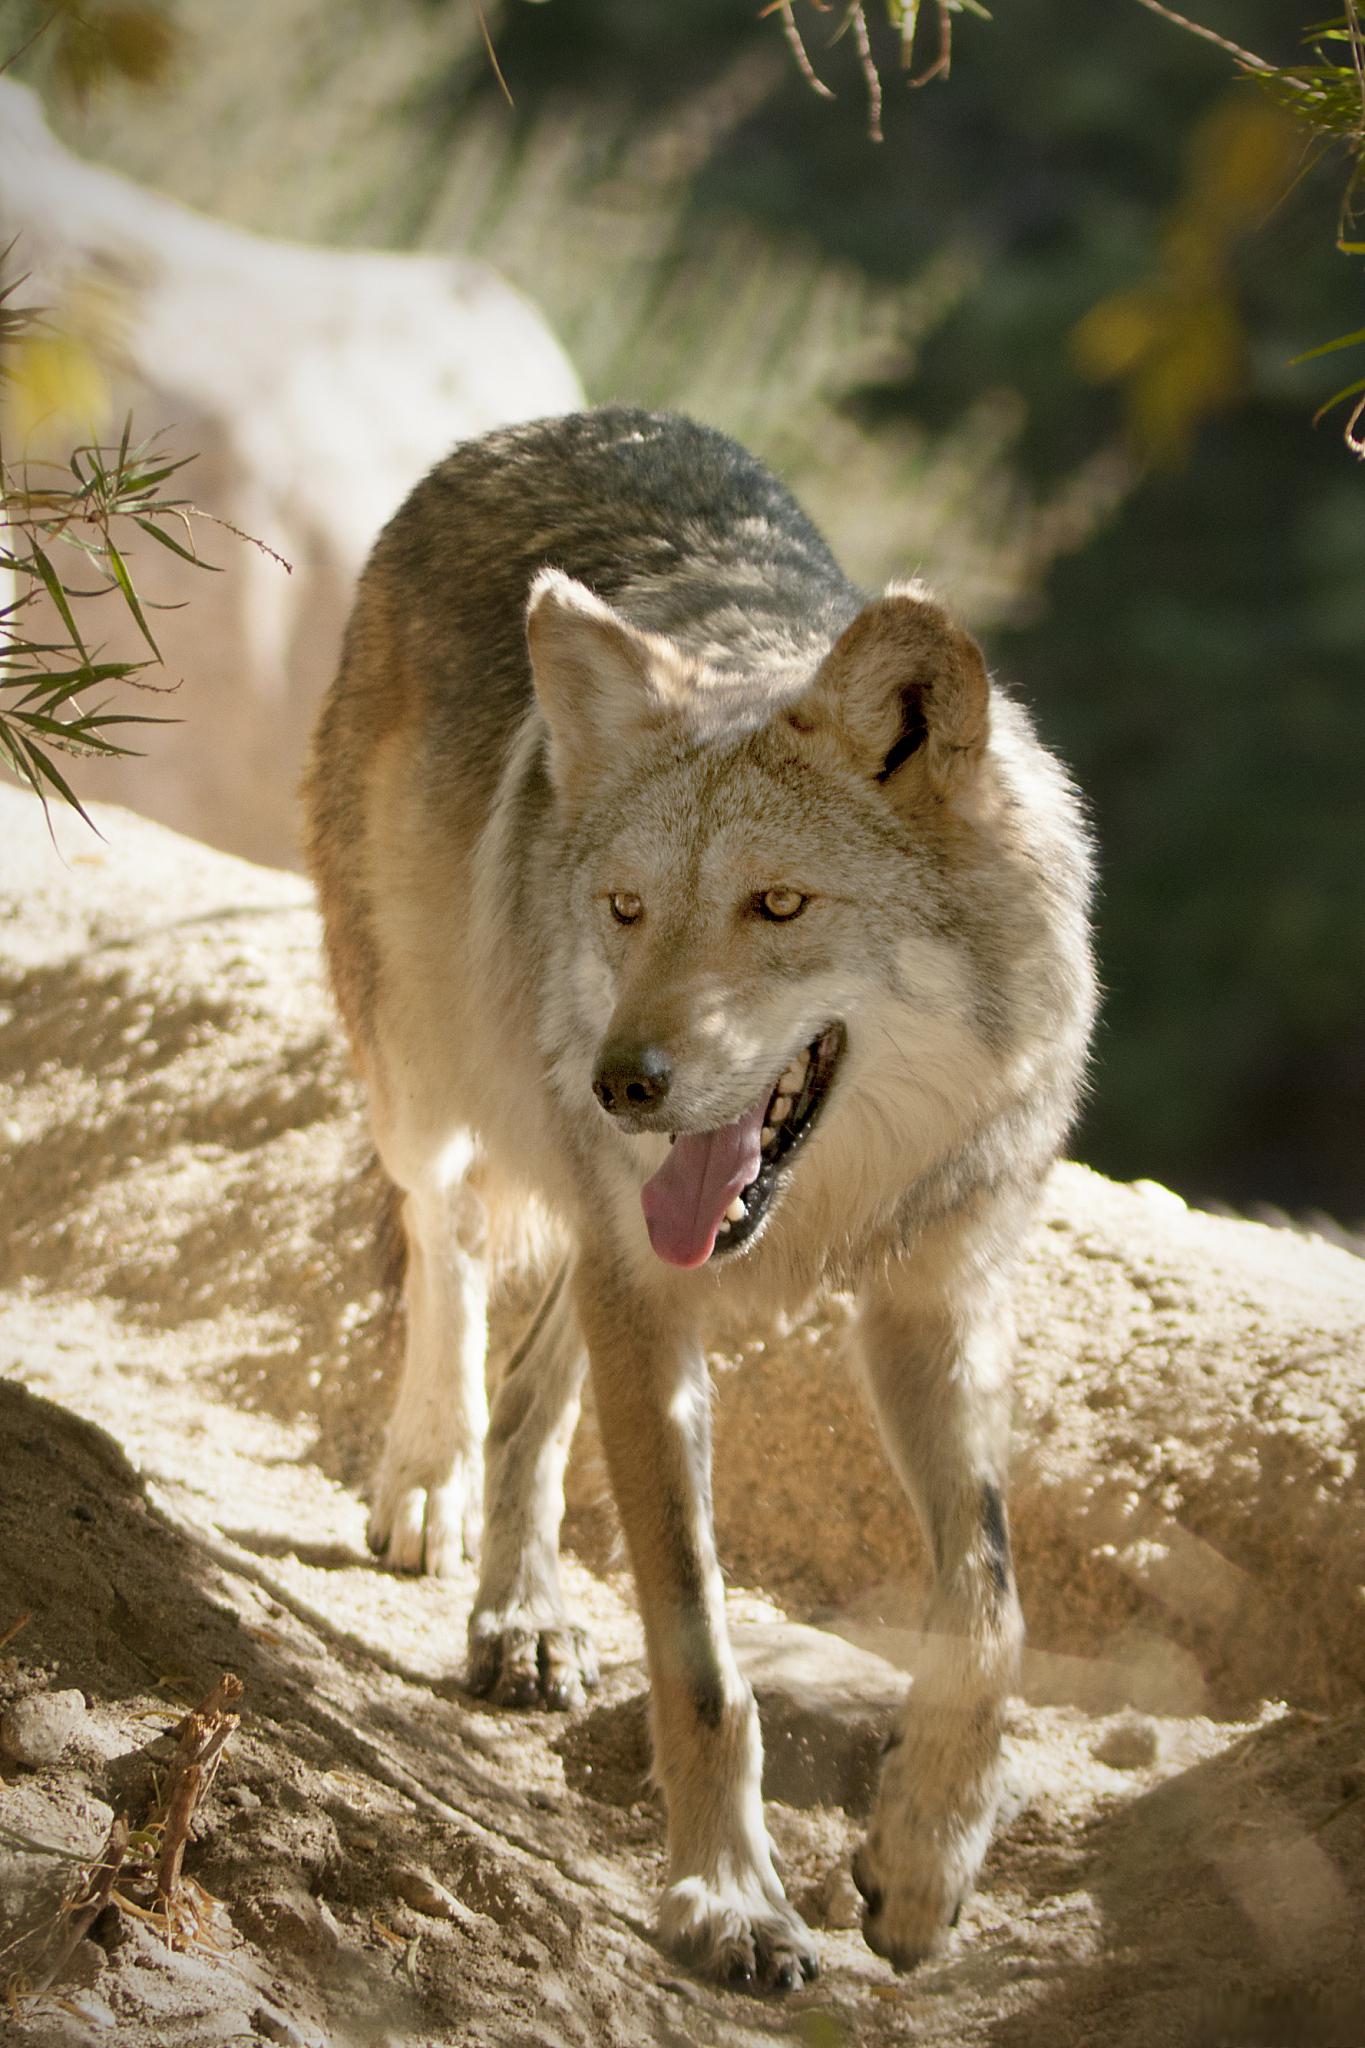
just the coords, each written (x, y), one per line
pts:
(196, 1362)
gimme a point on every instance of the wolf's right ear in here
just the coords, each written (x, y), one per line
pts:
(904, 691)
(603, 684)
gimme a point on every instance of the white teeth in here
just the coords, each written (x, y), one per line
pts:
(769, 1138)
(781, 1109)
(736, 1212)
(724, 1230)
(791, 1081)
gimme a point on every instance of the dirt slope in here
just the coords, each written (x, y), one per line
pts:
(196, 1363)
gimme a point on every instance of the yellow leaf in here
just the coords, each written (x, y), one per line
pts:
(56, 383)
(1115, 335)
(1242, 158)
(139, 42)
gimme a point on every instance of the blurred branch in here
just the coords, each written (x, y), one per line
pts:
(1327, 98)
(901, 15)
(1324, 96)
(1208, 35)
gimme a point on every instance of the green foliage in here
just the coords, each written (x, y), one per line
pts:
(1326, 96)
(56, 524)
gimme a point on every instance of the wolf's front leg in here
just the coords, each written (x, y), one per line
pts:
(427, 1496)
(938, 1337)
(724, 1910)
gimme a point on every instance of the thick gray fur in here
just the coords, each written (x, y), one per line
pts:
(606, 698)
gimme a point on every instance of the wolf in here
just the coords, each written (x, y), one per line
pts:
(676, 890)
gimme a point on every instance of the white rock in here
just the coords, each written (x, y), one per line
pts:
(825, 1709)
(425, 1893)
(314, 387)
(37, 1729)
(1129, 1744)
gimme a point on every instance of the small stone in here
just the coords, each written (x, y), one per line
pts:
(273, 2025)
(839, 1901)
(292, 1922)
(1130, 1745)
(825, 1709)
(83, 2005)
(36, 1729)
(425, 1893)
(83, 1966)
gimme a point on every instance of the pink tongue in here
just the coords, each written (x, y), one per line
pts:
(687, 1198)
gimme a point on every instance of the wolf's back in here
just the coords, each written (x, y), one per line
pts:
(671, 522)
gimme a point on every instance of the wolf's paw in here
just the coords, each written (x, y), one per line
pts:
(936, 1805)
(917, 1866)
(516, 1662)
(738, 1935)
(911, 1903)
(426, 1528)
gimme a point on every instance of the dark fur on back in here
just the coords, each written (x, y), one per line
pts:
(673, 523)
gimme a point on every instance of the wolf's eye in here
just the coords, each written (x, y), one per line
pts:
(625, 907)
(780, 906)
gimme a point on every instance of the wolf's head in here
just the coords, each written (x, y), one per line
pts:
(811, 898)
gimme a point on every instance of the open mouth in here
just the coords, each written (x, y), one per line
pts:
(713, 1192)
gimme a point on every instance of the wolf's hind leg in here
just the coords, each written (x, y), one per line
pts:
(523, 1649)
(427, 1495)
(937, 1338)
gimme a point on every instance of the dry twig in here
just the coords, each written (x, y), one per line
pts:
(12, 1631)
(78, 1914)
(797, 47)
(149, 1858)
(203, 1733)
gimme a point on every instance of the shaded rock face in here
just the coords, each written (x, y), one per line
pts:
(188, 1262)
(314, 387)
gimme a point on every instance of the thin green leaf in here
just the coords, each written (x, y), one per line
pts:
(23, 772)
(79, 742)
(51, 693)
(130, 598)
(1349, 391)
(1330, 347)
(154, 532)
(142, 481)
(81, 678)
(53, 585)
(16, 760)
(49, 772)
(28, 650)
(125, 437)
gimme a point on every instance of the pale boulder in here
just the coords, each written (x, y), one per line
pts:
(314, 386)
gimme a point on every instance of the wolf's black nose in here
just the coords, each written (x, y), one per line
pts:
(631, 1077)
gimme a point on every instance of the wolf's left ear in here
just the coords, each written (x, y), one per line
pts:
(603, 684)
(904, 690)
